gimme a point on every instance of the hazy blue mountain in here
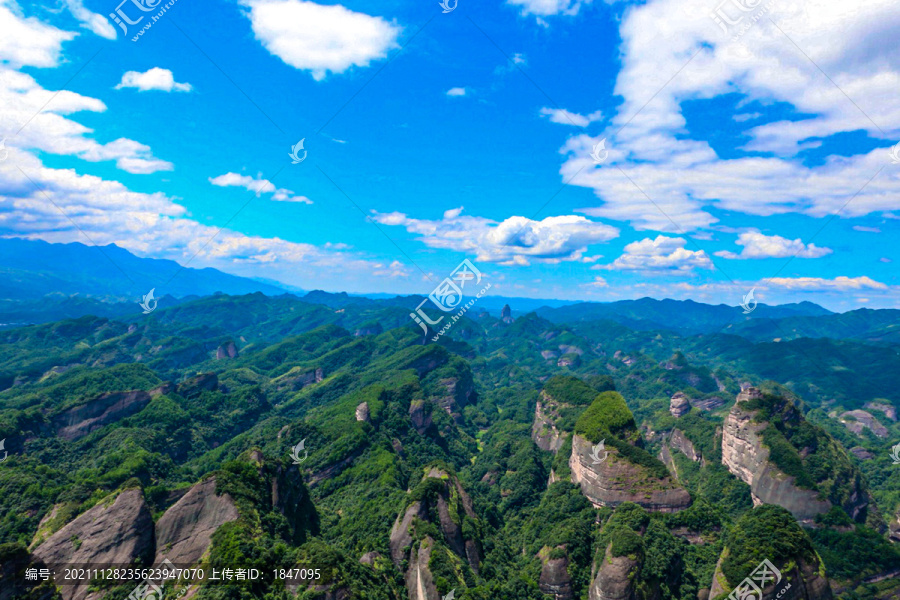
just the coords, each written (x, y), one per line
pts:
(31, 269)
(685, 316)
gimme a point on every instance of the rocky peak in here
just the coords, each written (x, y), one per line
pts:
(118, 530)
(506, 314)
(362, 412)
(749, 393)
(555, 580)
(679, 405)
(227, 350)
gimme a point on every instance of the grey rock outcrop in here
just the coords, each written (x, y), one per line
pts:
(196, 385)
(678, 441)
(420, 416)
(615, 480)
(679, 405)
(110, 407)
(228, 350)
(184, 532)
(859, 420)
(555, 580)
(615, 579)
(362, 412)
(889, 411)
(117, 532)
(745, 455)
(544, 431)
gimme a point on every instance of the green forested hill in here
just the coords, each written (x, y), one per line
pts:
(323, 437)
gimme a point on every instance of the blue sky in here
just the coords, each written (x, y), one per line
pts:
(758, 159)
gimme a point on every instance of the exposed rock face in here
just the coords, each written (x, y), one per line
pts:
(679, 405)
(184, 532)
(362, 412)
(616, 480)
(196, 385)
(439, 509)
(745, 455)
(678, 441)
(555, 580)
(894, 527)
(858, 420)
(506, 314)
(295, 379)
(861, 453)
(568, 360)
(460, 393)
(889, 411)
(420, 417)
(419, 581)
(802, 582)
(711, 403)
(107, 408)
(109, 533)
(549, 354)
(544, 431)
(110, 407)
(228, 350)
(614, 579)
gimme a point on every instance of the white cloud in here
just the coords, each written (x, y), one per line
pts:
(258, 186)
(98, 24)
(660, 254)
(685, 176)
(319, 38)
(46, 128)
(758, 245)
(27, 41)
(866, 229)
(842, 283)
(514, 241)
(457, 91)
(564, 117)
(154, 79)
(549, 8)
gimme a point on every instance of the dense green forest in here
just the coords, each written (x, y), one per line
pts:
(294, 437)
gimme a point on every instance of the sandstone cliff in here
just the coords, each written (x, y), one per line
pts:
(544, 431)
(117, 531)
(555, 580)
(184, 532)
(615, 578)
(616, 479)
(747, 454)
(442, 502)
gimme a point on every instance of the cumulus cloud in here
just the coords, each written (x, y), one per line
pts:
(318, 38)
(259, 186)
(28, 41)
(841, 283)
(759, 245)
(565, 117)
(660, 254)
(48, 128)
(457, 91)
(98, 24)
(153, 79)
(672, 52)
(514, 241)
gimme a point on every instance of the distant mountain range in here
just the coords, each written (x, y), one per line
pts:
(42, 282)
